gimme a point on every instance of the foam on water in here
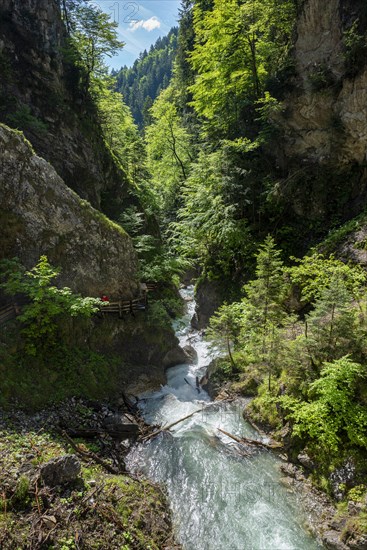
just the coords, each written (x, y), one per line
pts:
(220, 499)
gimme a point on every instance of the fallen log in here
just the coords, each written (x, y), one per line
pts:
(125, 432)
(166, 428)
(255, 442)
(255, 426)
(89, 455)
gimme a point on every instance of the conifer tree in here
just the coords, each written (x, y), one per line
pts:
(265, 316)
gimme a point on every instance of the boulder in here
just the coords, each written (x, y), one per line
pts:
(177, 356)
(191, 353)
(331, 540)
(357, 542)
(342, 479)
(290, 470)
(306, 461)
(59, 471)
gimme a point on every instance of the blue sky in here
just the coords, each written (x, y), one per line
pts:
(140, 22)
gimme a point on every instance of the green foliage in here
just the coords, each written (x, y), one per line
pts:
(263, 408)
(314, 273)
(118, 129)
(21, 497)
(256, 325)
(55, 374)
(358, 493)
(321, 77)
(304, 358)
(265, 318)
(237, 46)
(340, 234)
(332, 412)
(225, 327)
(47, 304)
(169, 150)
(355, 48)
(23, 119)
(211, 230)
(157, 263)
(331, 323)
(93, 36)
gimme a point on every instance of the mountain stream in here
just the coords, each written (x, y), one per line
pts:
(220, 499)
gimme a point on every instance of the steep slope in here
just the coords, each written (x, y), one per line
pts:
(41, 215)
(324, 121)
(150, 74)
(326, 116)
(39, 95)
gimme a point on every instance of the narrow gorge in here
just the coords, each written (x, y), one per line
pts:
(183, 285)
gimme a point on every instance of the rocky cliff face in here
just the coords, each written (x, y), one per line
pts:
(41, 215)
(326, 115)
(39, 95)
(322, 151)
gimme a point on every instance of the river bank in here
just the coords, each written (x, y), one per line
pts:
(222, 495)
(54, 497)
(334, 524)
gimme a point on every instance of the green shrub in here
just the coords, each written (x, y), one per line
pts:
(332, 415)
(355, 49)
(40, 318)
(321, 78)
(23, 119)
(21, 497)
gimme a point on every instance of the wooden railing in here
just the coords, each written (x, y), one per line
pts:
(9, 312)
(124, 306)
(12, 310)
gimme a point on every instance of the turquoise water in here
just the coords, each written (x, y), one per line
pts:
(221, 499)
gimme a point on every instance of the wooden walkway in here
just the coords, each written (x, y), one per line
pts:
(124, 306)
(9, 312)
(121, 307)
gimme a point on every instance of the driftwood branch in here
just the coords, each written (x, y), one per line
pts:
(255, 427)
(89, 455)
(166, 428)
(254, 442)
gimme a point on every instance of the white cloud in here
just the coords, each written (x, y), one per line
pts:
(148, 24)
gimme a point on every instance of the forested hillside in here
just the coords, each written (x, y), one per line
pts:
(257, 153)
(149, 75)
(232, 156)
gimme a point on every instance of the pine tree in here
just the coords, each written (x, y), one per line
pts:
(331, 325)
(265, 317)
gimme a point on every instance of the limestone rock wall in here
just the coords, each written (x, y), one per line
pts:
(41, 215)
(64, 130)
(327, 122)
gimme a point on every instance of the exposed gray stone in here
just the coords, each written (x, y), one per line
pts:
(176, 356)
(289, 469)
(306, 461)
(58, 471)
(342, 479)
(191, 354)
(95, 255)
(32, 40)
(331, 540)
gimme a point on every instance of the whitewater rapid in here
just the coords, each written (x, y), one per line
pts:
(220, 499)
